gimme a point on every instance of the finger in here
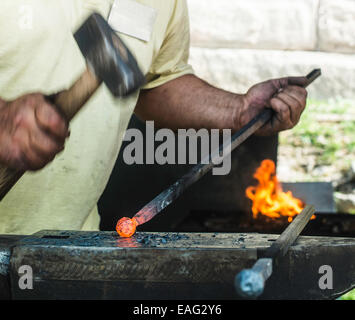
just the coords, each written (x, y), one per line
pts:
(282, 83)
(31, 158)
(298, 81)
(44, 144)
(267, 130)
(300, 100)
(12, 156)
(300, 94)
(282, 118)
(279, 84)
(35, 161)
(293, 105)
(51, 121)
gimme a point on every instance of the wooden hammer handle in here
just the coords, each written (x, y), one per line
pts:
(69, 102)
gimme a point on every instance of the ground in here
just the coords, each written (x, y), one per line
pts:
(349, 296)
(322, 148)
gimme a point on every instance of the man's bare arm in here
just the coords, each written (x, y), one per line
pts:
(189, 102)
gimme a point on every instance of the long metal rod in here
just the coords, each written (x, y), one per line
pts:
(197, 172)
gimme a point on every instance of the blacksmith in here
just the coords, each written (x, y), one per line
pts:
(68, 173)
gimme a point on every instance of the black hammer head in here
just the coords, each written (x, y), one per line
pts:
(108, 57)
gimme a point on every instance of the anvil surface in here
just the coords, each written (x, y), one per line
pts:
(101, 265)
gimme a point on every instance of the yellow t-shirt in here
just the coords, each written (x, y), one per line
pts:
(40, 55)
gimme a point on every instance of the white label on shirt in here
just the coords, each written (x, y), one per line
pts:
(133, 18)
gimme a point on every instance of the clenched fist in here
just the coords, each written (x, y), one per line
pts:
(32, 132)
(286, 96)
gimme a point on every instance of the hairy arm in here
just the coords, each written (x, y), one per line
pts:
(189, 102)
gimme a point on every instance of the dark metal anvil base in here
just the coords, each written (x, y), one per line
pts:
(100, 265)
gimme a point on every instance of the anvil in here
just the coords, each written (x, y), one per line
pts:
(101, 265)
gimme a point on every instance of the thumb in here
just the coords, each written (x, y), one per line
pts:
(298, 81)
(281, 83)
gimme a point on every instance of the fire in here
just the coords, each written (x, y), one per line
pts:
(268, 197)
(126, 227)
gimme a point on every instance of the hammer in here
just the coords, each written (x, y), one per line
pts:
(250, 283)
(108, 60)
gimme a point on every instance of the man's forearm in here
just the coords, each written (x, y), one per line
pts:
(189, 102)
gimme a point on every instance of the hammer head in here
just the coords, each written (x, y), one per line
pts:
(108, 57)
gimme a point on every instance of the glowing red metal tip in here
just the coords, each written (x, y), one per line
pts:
(126, 227)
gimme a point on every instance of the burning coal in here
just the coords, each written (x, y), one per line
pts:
(268, 197)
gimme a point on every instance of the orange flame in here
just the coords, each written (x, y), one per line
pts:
(268, 197)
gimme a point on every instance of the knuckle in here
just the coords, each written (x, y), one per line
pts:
(36, 98)
(52, 119)
(19, 119)
(42, 109)
(26, 100)
(58, 123)
(275, 102)
(18, 139)
(24, 118)
(30, 100)
(279, 83)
